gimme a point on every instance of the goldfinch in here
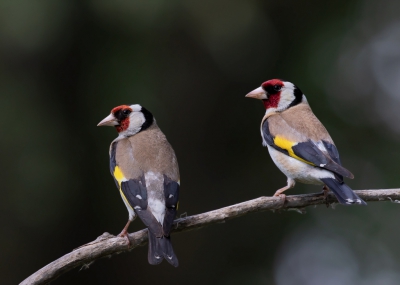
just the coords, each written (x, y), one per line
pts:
(298, 143)
(146, 173)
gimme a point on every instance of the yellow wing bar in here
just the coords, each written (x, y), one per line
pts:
(287, 145)
(118, 175)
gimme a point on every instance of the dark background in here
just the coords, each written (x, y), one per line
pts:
(65, 64)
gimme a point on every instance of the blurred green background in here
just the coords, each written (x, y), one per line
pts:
(65, 64)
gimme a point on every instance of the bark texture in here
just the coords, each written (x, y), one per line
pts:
(107, 244)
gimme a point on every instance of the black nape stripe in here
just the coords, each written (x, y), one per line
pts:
(298, 96)
(149, 119)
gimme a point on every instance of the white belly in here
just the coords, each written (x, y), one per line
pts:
(297, 170)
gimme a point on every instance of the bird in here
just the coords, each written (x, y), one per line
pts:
(298, 143)
(146, 173)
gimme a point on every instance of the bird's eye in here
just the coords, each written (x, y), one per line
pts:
(277, 87)
(126, 112)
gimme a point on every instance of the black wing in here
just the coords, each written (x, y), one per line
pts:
(135, 193)
(171, 191)
(334, 154)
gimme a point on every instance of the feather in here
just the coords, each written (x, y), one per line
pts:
(343, 192)
(277, 133)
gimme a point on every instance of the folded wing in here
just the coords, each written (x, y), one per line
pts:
(319, 153)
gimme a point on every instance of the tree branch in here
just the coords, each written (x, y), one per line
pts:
(107, 244)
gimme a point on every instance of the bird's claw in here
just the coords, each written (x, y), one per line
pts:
(282, 196)
(125, 234)
(325, 193)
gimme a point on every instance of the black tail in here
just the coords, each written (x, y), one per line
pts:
(160, 248)
(343, 192)
(169, 254)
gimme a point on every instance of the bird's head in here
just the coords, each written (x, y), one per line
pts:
(277, 95)
(128, 120)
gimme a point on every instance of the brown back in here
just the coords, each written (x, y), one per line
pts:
(298, 123)
(147, 151)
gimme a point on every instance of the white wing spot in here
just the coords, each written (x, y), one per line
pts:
(320, 145)
(322, 165)
(170, 196)
(139, 197)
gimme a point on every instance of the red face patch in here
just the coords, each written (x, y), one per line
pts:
(272, 82)
(123, 125)
(272, 87)
(122, 114)
(272, 101)
(119, 108)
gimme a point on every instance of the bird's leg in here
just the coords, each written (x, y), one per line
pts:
(124, 232)
(325, 191)
(290, 184)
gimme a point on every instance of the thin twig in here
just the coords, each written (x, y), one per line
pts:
(107, 244)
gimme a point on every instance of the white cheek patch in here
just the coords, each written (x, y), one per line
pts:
(286, 99)
(136, 108)
(136, 121)
(287, 96)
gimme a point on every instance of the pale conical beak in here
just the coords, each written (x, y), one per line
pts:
(110, 120)
(257, 93)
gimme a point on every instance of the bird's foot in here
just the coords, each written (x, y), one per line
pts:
(282, 196)
(124, 233)
(325, 193)
(279, 195)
